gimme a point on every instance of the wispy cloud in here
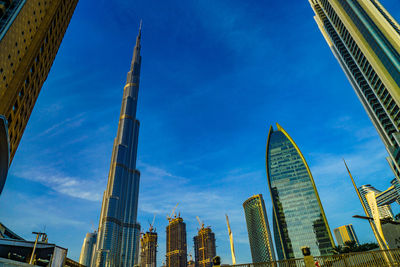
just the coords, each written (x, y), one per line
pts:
(59, 182)
(210, 203)
(353, 127)
(64, 125)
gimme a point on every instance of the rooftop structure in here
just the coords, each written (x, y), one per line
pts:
(8, 234)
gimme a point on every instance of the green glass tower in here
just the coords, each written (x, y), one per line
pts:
(298, 217)
(261, 246)
(365, 39)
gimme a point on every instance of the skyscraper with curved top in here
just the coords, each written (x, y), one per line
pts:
(118, 230)
(298, 217)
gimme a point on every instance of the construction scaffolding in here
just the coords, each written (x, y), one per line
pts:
(148, 253)
(204, 247)
(176, 246)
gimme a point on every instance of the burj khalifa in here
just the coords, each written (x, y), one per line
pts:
(118, 231)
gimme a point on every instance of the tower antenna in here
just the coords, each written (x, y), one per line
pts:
(378, 237)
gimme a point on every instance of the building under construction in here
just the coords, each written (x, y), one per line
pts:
(176, 247)
(204, 247)
(148, 251)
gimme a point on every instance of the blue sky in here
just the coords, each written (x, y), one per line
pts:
(215, 76)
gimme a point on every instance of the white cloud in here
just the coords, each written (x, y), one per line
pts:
(71, 186)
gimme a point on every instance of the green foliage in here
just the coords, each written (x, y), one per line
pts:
(351, 246)
(397, 217)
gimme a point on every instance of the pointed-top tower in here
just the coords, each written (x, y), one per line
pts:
(118, 229)
(298, 216)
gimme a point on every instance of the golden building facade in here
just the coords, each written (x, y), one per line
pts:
(345, 234)
(30, 35)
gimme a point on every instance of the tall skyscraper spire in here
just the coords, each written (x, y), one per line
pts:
(118, 227)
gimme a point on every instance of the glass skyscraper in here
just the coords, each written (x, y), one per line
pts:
(298, 217)
(365, 39)
(261, 246)
(88, 249)
(118, 235)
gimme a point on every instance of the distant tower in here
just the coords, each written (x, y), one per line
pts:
(136, 235)
(88, 249)
(365, 39)
(344, 234)
(30, 35)
(191, 262)
(176, 247)
(261, 246)
(385, 211)
(118, 234)
(298, 217)
(148, 253)
(204, 247)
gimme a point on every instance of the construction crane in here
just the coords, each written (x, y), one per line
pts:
(231, 241)
(169, 217)
(200, 222)
(151, 228)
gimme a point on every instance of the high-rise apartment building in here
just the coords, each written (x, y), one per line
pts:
(261, 246)
(118, 230)
(365, 39)
(204, 247)
(390, 195)
(385, 211)
(148, 250)
(30, 35)
(345, 234)
(176, 246)
(298, 217)
(88, 249)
